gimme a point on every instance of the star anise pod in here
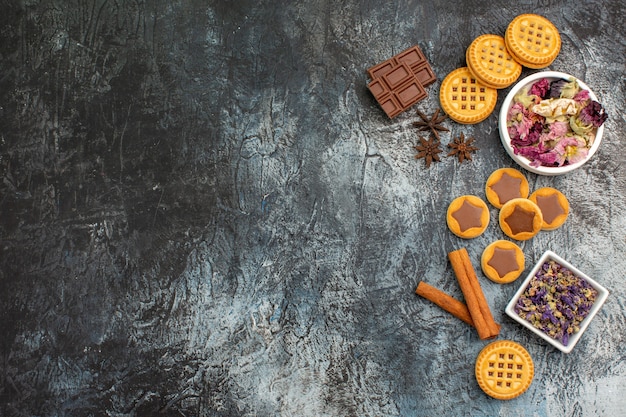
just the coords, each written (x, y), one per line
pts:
(433, 123)
(462, 148)
(429, 150)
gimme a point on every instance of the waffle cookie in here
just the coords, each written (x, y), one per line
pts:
(502, 261)
(554, 207)
(520, 219)
(532, 40)
(504, 369)
(489, 62)
(467, 216)
(505, 184)
(465, 99)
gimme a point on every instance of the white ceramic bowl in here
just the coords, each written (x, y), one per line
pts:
(603, 293)
(506, 140)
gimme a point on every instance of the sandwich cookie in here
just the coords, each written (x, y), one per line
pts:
(465, 99)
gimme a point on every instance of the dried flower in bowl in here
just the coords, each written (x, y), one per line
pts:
(553, 122)
(557, 301)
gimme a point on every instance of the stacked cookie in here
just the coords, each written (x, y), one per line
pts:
(465, 99)
(469, 94)
(533, 40)
(490, 62)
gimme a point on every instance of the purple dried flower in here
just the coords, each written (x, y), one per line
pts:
(540, 88)
(556, 87)
(593, 114)
(548, 315)
(581, 96)
(567, 299)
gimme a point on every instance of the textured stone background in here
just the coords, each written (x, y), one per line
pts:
(204, 212)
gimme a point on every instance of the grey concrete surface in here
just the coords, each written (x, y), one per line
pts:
(203, 212)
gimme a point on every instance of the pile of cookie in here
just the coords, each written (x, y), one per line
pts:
(521, 217)
(469, 94)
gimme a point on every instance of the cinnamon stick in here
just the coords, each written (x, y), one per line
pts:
(446, 302)
(475, 299)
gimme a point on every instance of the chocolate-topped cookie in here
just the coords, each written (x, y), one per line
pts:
(554, 207)
(502, 261)
(505, 184)
(468, 216)
(520, 219)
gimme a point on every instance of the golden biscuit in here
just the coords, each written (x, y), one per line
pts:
(533, 40)
(554, 207)
(520, 219)
(505, 184)
(468, 216)
(491, 63)
(465, 99)
(504, 369)
(502, 261)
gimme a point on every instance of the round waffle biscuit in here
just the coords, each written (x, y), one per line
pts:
(505, 184)
(520, 219)
(554, 207)
(464, 99)
(533, 40)
(467, 216)
(521, 61)
(502, 261)
(491, 63)
(504, 369)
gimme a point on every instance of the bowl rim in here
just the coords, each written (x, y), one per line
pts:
(603, 294)
(504, 135)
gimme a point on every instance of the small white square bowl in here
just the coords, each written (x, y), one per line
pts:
(603, 293)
